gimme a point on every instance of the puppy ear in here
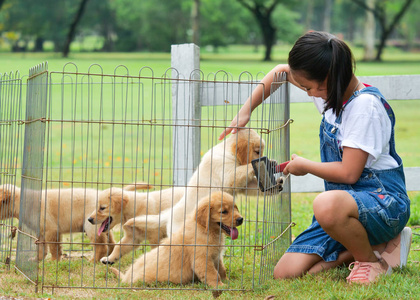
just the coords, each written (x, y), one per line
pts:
(118, 200)
(203, 214)
(241, 149)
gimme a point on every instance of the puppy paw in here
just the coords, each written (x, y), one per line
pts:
(216, 294)
(279, 184)
(276, 188)
(105, 261)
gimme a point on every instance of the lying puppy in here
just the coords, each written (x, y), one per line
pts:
(196, 249)
(65, 212)
(116, 205)
(225, 167)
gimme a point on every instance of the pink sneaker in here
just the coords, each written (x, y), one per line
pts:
(367, 272)
(397, 249)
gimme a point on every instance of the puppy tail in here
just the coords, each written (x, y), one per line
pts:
(138, 186)
(134, 272)
(115, 271)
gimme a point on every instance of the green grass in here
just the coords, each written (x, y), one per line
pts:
(402, 284)
(304, 141)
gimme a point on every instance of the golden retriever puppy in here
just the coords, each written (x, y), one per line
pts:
(116, 205)
(65, 212)
(195, 250)
(225, 167)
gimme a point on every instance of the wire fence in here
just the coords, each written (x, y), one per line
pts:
(127, 149)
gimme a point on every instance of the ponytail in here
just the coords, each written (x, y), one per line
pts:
(320, 55)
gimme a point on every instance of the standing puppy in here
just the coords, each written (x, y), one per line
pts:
(225, 167)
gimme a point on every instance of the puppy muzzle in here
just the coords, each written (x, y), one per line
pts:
(239, 221)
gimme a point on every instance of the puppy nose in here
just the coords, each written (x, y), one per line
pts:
(90, 220)
(239, 221)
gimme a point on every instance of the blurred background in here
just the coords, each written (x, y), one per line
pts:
(74, 26)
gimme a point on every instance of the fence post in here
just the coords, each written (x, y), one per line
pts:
(186, 111)
(32, 172)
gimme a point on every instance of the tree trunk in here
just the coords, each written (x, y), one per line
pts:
(369, 33)
(268, 32)
(195, 16)
(263, 16)
(309, 15)
(1, 3)
(327, 15)
(72, 30)
(380, 14)
(39, 44)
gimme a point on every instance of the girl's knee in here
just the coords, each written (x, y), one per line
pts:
(331, 207)
(293, 265)
(281, 272)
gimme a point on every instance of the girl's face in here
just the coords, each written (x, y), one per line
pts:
(312, 87)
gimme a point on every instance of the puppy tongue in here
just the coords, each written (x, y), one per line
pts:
(234, 233)
(102, 227)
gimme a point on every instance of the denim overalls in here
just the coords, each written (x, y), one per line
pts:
(381, 197)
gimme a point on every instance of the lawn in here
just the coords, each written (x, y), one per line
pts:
(304, 140)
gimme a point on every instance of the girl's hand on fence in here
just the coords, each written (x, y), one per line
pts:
(233, 127)
(296, 166)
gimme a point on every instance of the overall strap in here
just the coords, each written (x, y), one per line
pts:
(375, 92)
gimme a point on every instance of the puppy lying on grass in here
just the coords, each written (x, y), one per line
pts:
(121, 206)
(195, 250)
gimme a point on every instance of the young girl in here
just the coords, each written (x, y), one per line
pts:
(362, 213)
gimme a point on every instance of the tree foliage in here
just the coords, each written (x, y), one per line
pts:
(384, 11)
(150, 25)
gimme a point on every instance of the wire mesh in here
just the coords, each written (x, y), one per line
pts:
(11, 89)
(86, 132)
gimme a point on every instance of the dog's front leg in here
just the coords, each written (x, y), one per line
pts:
(42, 249)
(207, 273)
(133, 235)
(53, 241)
(101, 248)
(243, 175)
(221, 266)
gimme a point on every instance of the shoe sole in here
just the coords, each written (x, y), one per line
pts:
(406, 237)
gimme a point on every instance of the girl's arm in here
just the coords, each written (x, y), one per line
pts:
(348, 171)
(260, 93)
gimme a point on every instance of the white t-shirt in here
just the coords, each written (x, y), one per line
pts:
(364, 125)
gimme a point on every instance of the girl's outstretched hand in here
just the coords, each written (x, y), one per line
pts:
(235, 124)
(297, 166)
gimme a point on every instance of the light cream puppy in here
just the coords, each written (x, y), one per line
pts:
(62, 211)
(225, 167)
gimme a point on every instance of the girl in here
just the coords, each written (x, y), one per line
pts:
(362, 213)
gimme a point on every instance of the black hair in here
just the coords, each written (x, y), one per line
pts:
(321, 55)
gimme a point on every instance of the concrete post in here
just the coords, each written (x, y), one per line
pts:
(186, 111)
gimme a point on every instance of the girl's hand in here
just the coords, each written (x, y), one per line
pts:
(243, 120)
(297, 166)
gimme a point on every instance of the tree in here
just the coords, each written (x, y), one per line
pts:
(369, 33)
(151, 25)
(218, 31)
(382, 15)
(263, 11)
(195, 20)
(72, 29)
(1, 3)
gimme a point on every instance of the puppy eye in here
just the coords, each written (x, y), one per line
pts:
(101, 208)
(225, 211)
